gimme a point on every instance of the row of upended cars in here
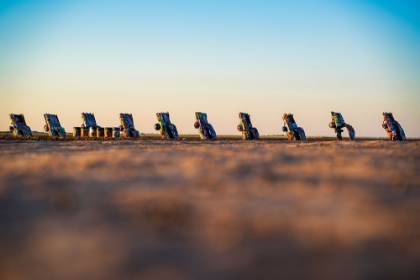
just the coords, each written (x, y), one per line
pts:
(168, 130)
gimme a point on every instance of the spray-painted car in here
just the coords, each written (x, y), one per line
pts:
(167, 129)
(393, 129)
(338, 124)
(290, 127)
(88, 120)
(245, 126)
(53, 126)
(18, 125)
(127, 126)
(205, 129)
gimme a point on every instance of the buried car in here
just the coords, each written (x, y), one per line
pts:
(205, 129)
(290, 127)
(338, 124)
(18, 125)
(393, 129)
(127, 126)
(167, 129)
(245, 126)
(89, 126)
(53, 126)
(88, 120)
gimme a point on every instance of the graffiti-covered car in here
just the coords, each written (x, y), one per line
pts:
(53, 126)
(18, 125)
(205, 129)
(245, 126)
(338, 124)
(293, 131)
(89, 126)
(167, 129)
(127, 126)
(393, 129)
(88, 120)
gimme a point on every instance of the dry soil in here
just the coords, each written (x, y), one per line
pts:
(209, 210)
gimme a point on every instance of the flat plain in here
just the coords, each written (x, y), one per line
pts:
(150, 209)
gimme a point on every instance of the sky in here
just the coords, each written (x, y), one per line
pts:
(266, 58)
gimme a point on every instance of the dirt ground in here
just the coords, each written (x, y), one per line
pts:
(209, 210)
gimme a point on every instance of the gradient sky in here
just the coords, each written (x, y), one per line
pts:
(265, 58)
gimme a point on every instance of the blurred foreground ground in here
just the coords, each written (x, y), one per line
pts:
(209, 210)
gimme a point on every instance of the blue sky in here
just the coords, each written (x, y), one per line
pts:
(221, 57)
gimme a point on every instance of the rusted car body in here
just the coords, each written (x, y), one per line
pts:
(205, 129)
(127, 126)
(245, 126)
(292, 130)
(18, 125)
(393, 129)
(53, 126)
(89, 124)
(338, 124)
(88, 120)
(167, 129)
